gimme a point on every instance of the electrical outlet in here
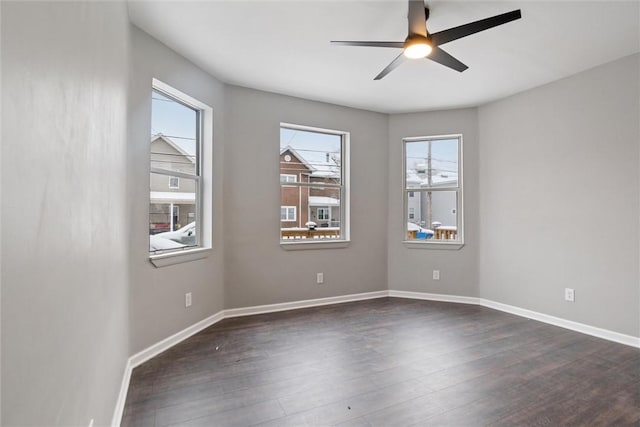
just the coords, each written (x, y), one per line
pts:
(569, 294)
(320, 278)
(187, 299)
(436, 274)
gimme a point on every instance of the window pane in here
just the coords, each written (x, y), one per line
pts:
(432, 215)
(313, 156)
(432, 163)
(287, 178)
(172, 214)
(318, 213)
(174, 133)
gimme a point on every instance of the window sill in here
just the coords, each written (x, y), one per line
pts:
(172, 258)
(447, 246)
(297, 246)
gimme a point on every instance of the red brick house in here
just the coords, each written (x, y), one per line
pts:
(301, 204)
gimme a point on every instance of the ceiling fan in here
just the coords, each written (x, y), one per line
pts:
(421, 44)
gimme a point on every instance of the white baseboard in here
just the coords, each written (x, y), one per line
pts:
(152, 351)
(434, 297)
(157, 348)
(563, 323)
(122, 396)
(271, 308)
(530, 314)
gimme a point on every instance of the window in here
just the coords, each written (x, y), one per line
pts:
(433, 189)
(284, 177)
(181, 131)
(287, 213)
(324, 213)
(317, 161)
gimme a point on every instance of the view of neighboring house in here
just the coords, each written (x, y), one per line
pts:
(172, 199)
(432, 188)
(426, 208)
(301, 204)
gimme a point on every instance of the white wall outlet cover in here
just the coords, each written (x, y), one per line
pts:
(436, 274)
(569, 294)
(320, 278)
(187, 299)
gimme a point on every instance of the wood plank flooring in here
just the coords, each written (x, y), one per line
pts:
(387, 362)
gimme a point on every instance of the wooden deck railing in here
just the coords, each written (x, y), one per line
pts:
(440, 233)
(305, 233)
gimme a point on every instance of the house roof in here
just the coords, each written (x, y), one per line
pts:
(172, 197)
(175, 146)
(438, 178)
(297, 156)
(323, 201)
(316, 162)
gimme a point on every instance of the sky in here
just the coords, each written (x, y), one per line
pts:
(444, 155)
(313, 146)
(174, 120)
(178, 122)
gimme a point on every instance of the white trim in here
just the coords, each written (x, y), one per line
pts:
(306, 244)
(594, 331)
(451, 245)
(155, 349)
(286, 177)
(161, 346)
(564, 323)
(435, 297)
(122, 396)
(293, 305)
(204, 159)
(152, 351)
(179, 256)
(286, 213)
(458, 189)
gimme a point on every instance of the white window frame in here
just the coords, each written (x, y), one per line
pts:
(203, 179)
(288, 177)
(326, 210)
(435, 244)
(344, 186)
(171, 182)
(286, 213)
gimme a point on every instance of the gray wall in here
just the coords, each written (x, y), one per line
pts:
(157, 294)
(257, 270)
(411, 269)
(65, 226)
(559, 198)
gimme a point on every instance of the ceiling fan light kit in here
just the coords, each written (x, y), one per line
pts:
(421, 44)
(417, 47)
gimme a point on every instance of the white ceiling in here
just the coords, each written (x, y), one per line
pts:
(283, 46)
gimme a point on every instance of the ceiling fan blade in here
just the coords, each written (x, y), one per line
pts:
(445, 36)
(441, 57)
(389, 68)
(417, 18)
(368, 44)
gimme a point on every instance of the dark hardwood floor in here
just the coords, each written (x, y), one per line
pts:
(387, 362)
